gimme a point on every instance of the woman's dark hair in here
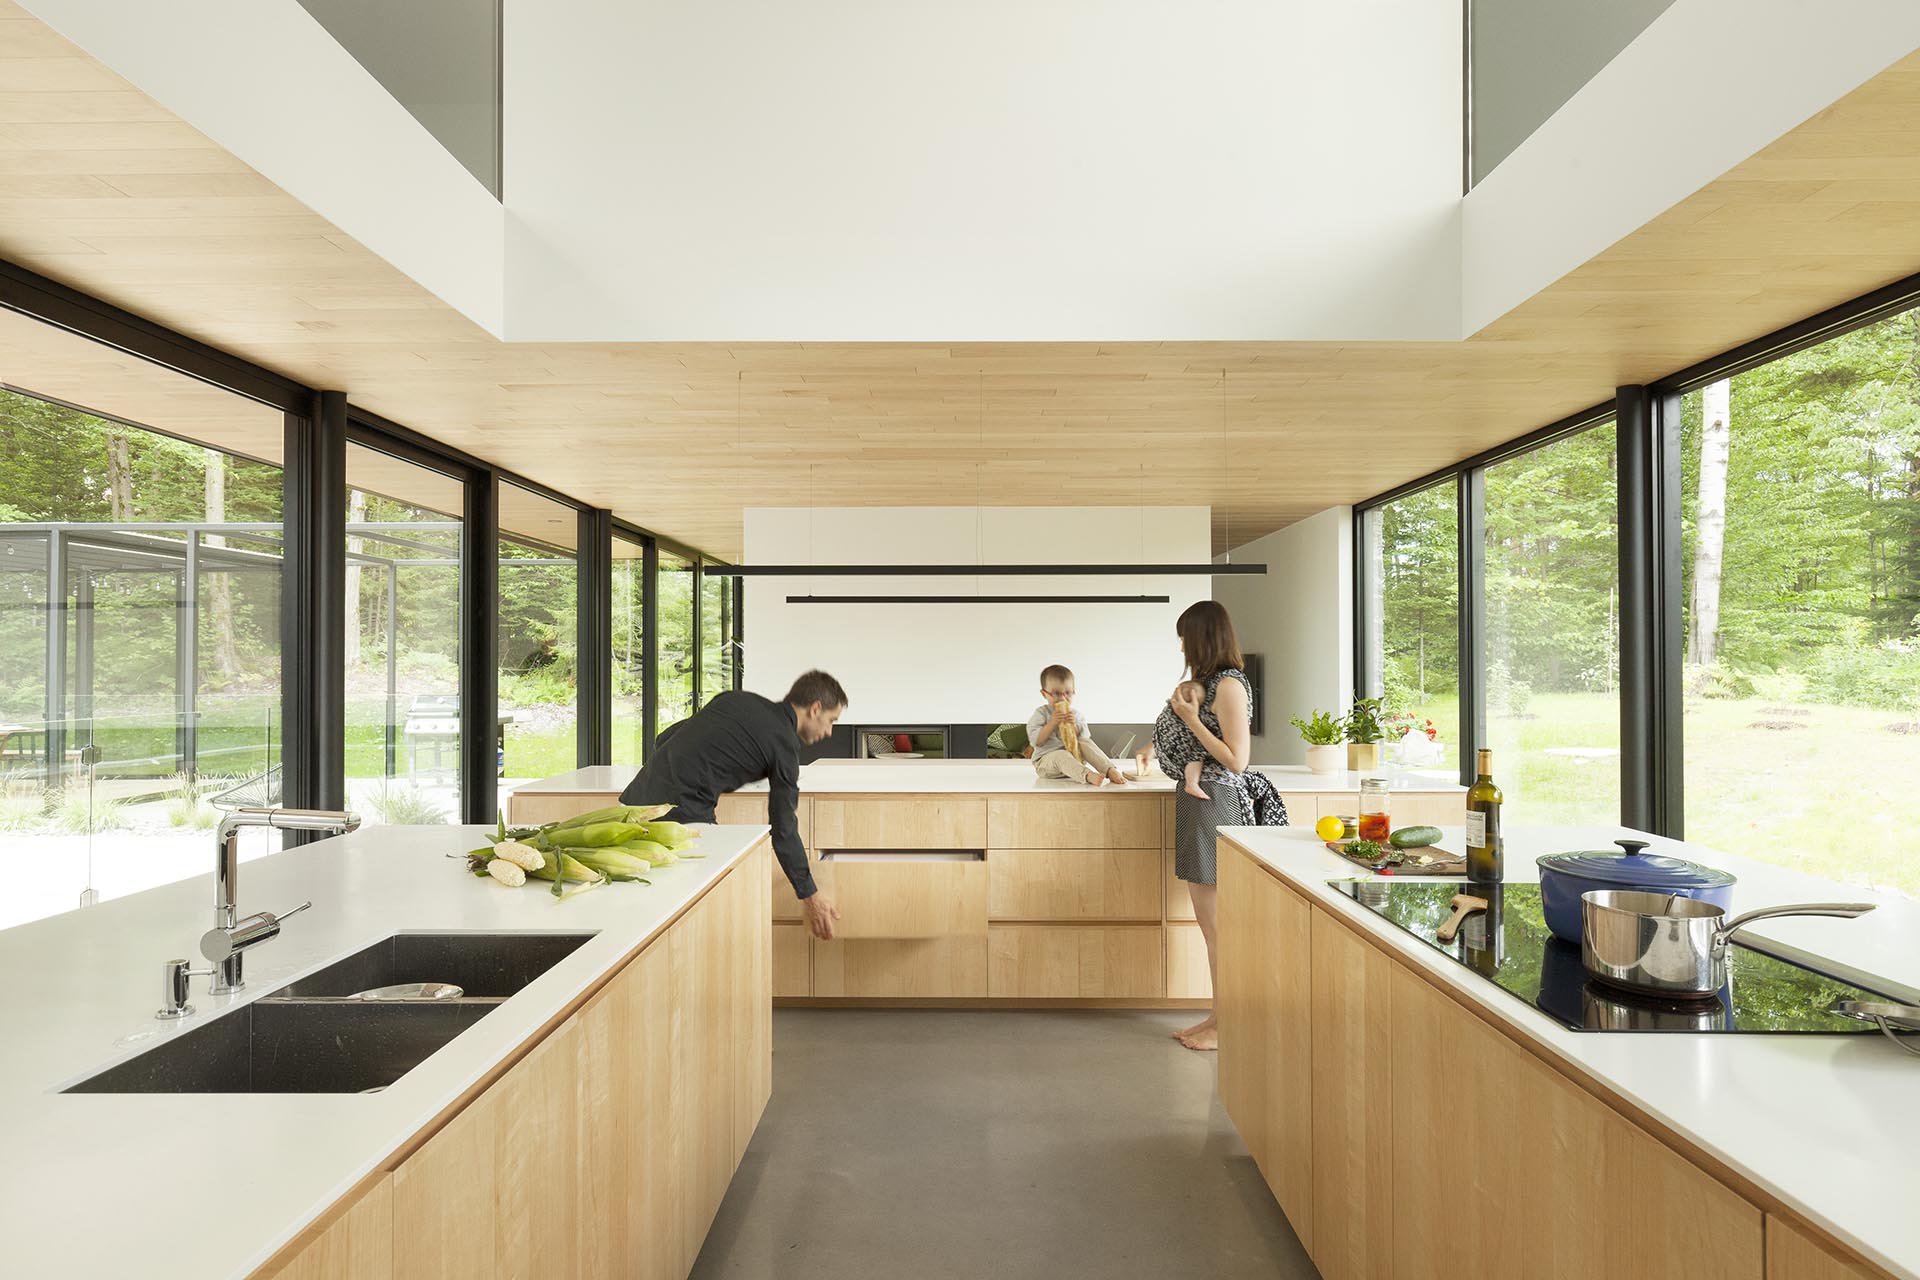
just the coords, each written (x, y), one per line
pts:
(1207, 639)
(817, 686)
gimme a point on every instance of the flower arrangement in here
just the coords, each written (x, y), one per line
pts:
(1400, 723)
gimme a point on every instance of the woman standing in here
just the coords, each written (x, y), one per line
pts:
(1212, 717)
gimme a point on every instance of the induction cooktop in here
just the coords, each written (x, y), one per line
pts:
(1509, 946)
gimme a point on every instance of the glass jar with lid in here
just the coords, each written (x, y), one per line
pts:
(1376, 815)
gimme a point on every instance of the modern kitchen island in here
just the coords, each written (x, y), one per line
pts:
(974, 882)
(1415, 1120)
(587, 1125)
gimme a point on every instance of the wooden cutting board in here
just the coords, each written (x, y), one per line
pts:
(1443, 864)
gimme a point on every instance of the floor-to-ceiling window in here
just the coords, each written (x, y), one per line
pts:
(1801, 597)
(539, 636)
(1412, 651)
(675, 643)
(403, 712)
(140, 592)
(1551, 682)
(629, 635)
(717, 656)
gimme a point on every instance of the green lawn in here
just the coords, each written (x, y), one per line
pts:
(1821, 789)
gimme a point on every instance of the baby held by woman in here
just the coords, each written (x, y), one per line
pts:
(1176, 747)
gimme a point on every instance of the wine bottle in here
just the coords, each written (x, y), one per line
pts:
(1485, 846)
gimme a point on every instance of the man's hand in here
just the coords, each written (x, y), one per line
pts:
(821, 913)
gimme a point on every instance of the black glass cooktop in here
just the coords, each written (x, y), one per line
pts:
(1509, 945)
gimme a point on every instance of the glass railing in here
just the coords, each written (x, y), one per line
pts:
(97, 807)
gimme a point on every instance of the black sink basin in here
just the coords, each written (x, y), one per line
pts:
(307, 1037)
(486, 964)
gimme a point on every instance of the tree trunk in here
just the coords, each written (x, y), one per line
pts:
(356, 514)
(119, 478)
(226, 658)
(1710, 522)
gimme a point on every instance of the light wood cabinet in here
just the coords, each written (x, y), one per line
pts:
(750, 810)
(792, 961)
(916, 822)
(1352, 1118)
(901, 969)
(1085, 962)
(606, 1150)
(1544, 1179)
(1099, 820)
(908, 895)
(524, 810)
(1794, 1254)
(1265, 1007)
(1073, 884)
(1179, 901)
(355, 1245)
(1188, 977)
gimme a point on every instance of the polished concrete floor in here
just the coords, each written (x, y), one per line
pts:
(908, 1145)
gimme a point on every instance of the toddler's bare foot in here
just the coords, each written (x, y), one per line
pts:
(1116, 777)
(1093, 779)
(1193, 789)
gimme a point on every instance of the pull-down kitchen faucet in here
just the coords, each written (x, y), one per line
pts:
(227, 943)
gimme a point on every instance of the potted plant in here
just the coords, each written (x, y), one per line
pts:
(1323, 735)
(1363, 733)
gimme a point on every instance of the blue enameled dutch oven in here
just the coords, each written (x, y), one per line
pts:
(1565, 876)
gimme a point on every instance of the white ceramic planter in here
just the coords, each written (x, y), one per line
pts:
(1331, 759)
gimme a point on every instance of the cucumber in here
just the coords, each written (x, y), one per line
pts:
(1415, 837)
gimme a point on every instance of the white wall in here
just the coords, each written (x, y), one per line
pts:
(264, 80)
(972, 664)
(1002, 170)
(1299, 617)
(1706, 85)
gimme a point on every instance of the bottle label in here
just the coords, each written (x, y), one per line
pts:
(1477, 830)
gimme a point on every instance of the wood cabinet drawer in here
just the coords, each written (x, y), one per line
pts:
(1073, 884)
(750, 810)
(922, 822)
(910, 894)
(1179, 901)
(900, 968)
(1099, 819)
(1074, 961)
(792, 961)
(533, 809)
(1188, 977)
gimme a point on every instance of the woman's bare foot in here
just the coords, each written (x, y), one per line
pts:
(1204, 1025)
(1193, 789)
(1207, 1041)
(1116, 777)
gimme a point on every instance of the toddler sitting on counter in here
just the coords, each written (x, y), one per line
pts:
(1063, 746)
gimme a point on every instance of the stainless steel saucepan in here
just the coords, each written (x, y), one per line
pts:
(1664, 944)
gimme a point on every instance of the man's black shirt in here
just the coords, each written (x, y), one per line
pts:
(735, 739)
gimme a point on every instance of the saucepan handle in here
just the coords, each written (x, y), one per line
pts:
(1845, 910)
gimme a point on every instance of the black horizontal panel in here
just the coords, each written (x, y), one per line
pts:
(972, 570)
(977, 599)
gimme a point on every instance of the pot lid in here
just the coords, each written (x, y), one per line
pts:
(1631, 866)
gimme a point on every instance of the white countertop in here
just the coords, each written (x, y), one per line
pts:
(1825, 1123)
(963, 777)
(200, 1186)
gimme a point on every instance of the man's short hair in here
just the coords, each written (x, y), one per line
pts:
(817, 686)
(1054, 672)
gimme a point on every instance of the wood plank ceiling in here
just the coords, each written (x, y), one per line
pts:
(103, 189)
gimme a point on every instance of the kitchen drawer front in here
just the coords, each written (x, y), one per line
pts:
(1333, 804)
(1188, 977)
(909, 894)
(901, 968)
(1075, 962)
(1073, 884)
(792, 961)
(532, 809)
(944, 822)
(1179, 901)
(1099, 819)
(1429, 809)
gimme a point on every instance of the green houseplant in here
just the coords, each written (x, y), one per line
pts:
(1363, 733)
(1323, 735)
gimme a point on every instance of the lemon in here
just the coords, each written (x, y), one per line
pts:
(1329, 828)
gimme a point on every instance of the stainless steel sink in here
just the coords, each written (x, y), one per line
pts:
(307, 1037)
